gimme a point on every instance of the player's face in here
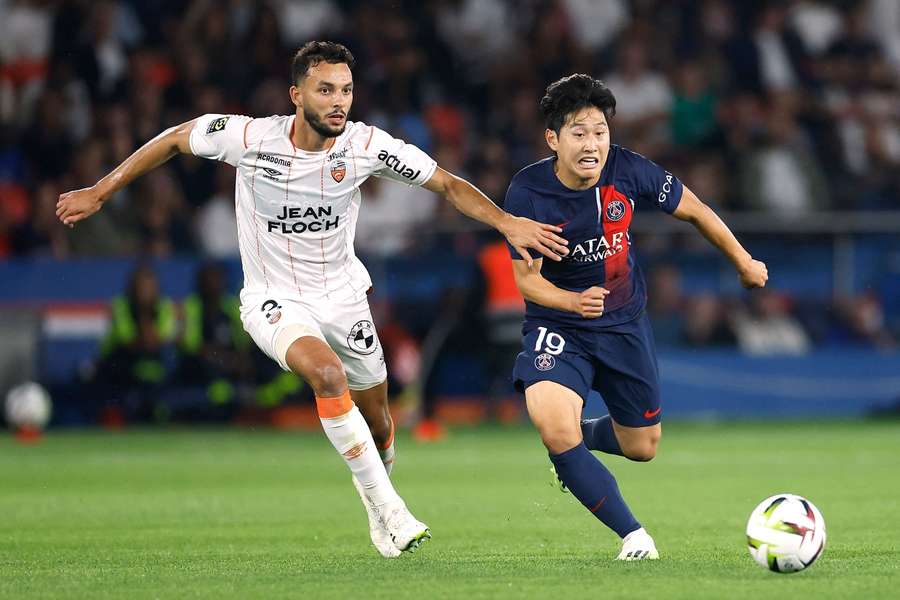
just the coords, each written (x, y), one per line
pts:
(325, 96)
(582, 145)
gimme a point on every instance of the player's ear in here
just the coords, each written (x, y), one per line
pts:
(552, 139)
(295, 96)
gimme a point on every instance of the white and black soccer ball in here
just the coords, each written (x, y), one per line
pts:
(28, 406)
(786, 533)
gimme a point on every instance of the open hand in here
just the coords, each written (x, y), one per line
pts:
(524, 233)
(77, 205)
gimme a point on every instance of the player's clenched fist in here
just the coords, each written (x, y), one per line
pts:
(589, 303)
(754, 274)
(77, 205)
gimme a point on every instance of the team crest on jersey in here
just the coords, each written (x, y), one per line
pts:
(217, 125)
(362, 337)
(615, 210)
(544, 362)
(338, 171)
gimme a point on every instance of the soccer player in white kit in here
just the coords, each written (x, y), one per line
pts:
(304, 297)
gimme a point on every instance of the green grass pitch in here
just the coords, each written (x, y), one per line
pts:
(262, 514)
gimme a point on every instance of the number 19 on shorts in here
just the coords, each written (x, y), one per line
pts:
(554, 342)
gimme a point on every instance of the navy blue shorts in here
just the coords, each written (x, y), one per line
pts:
(619, 363)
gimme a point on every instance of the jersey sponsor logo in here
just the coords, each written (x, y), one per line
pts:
(597, 249)
(544, 362)
(615, 210)
(666, 188)
(274, 159)
(272, 311)
(361, 338)
(649, 414)
(318, 214)
(397, 166)
(338, 170)
(217, 125)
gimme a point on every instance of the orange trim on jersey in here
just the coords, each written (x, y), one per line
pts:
(330, 408)
(390, 439)
(371, 133)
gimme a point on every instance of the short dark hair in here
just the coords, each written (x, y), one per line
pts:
(572, 93)
(312, 53)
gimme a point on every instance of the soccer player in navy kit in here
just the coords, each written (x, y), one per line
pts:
(585, 324)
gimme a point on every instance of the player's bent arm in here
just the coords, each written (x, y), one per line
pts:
(535, 288)
(522, 233)
(79, 204)
(691, 209)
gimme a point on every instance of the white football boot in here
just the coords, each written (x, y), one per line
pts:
(381, 539)
(638, 545)
(405, 530)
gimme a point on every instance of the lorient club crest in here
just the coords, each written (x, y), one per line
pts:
(338, 171)
(362, 337)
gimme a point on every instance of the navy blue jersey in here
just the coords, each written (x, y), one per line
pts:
(595, 221)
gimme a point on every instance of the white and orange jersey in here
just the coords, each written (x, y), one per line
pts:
(297, 210)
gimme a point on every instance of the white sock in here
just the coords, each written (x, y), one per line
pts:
(350, 436)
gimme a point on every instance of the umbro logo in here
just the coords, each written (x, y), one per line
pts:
(270, 173)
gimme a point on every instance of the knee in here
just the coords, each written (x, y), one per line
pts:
(327, 379)
(559, 439)
(643, 450)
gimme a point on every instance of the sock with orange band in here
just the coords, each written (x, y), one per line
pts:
(349, 434)
(387, 451)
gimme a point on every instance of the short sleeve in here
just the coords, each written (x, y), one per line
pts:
(396, 160)
(654, 184)
(518, 203)
(220, 137)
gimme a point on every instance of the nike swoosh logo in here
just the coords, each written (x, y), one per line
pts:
(649, 415)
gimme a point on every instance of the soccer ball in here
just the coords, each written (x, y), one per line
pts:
(786, 533)
(28, 406)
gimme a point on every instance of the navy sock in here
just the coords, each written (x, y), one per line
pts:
(599, 435)
(595, 487)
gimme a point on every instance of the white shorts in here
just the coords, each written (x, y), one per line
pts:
(275, 322)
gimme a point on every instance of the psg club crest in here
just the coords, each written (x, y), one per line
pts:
(362, 338)
(338, 170)
(544, 362)
(615, 210)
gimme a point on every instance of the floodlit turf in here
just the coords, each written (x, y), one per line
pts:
(259, 514)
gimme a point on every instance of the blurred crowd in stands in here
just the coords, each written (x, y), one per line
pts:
(788, 107)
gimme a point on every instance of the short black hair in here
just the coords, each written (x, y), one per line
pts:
(572, 93)
(312, 53)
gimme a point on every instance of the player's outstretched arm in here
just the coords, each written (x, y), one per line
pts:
(753, 273)
(535, 288)
(77, 205)
(522, 233)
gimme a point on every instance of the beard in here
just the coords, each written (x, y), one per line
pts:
(320, 127)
